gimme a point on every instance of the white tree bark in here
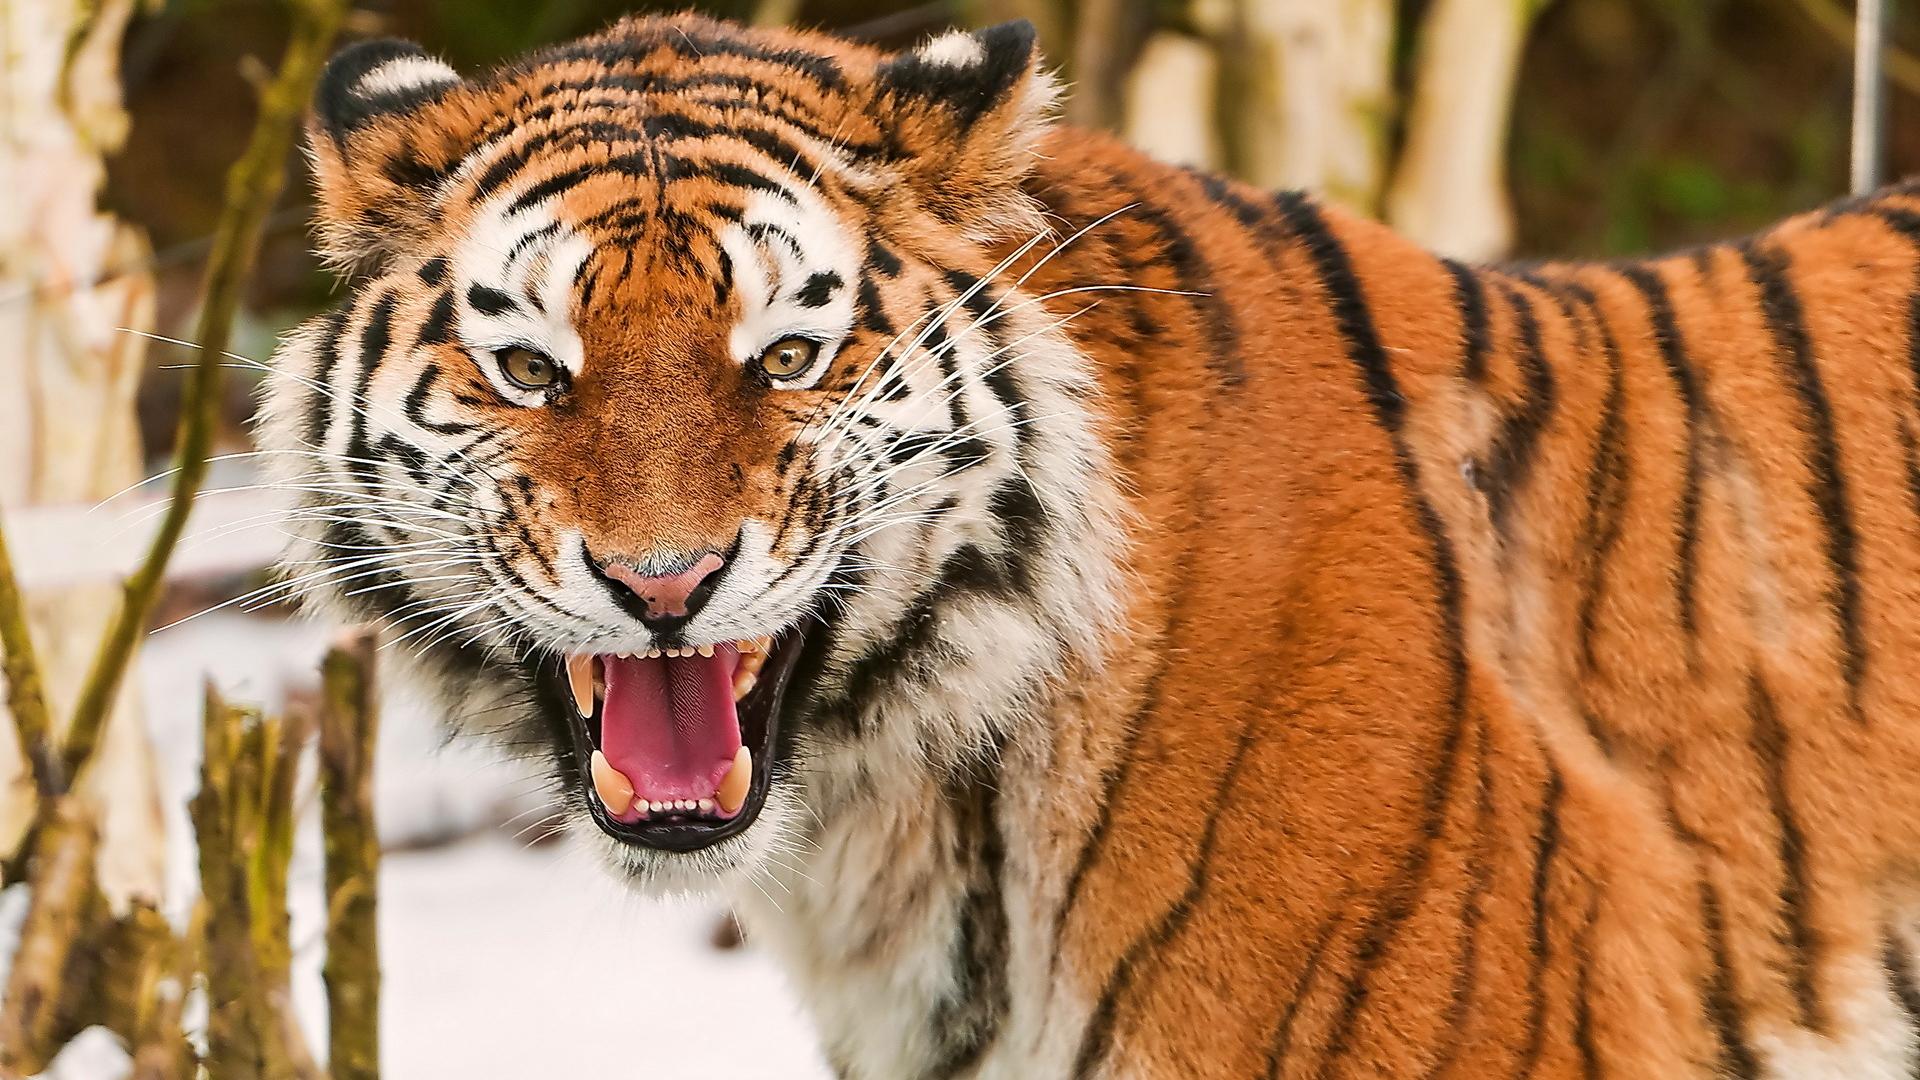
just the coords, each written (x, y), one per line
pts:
(1169, 103)
(1307, 94)
(1449, 191)
(70, 277)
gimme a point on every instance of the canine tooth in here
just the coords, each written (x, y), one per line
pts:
(580, 680)
(614, 789)
(733, 786)
(743, 681)
(706, 650)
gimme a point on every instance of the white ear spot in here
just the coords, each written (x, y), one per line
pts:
(956, 50)
(405, 75)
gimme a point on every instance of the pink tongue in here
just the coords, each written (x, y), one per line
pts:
(669, 725)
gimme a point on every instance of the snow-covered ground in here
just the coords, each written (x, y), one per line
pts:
(502, 960)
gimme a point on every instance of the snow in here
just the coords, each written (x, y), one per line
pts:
(501, 959)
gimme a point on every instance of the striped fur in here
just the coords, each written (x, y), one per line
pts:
(1247, 645)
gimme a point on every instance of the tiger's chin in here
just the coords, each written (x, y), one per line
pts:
(676, 756)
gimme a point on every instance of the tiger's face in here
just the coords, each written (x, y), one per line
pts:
(680, 368)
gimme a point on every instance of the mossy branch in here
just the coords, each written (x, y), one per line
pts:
(253, 185)
(349, 729)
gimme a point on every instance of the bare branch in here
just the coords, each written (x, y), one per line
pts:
(26, 693)
(253, 184)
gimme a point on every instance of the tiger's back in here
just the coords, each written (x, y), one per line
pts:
(1528, 695)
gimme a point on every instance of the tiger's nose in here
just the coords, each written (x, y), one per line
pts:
(668, 601)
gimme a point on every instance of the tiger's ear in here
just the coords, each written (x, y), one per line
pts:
(381, 142)
(965, 110)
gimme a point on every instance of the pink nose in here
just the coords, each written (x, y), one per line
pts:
(667, 597)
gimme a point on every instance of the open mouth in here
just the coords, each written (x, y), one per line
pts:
(678, 746)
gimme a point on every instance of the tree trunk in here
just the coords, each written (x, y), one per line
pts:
(1170, 101)
(1306, 95)
(70, 276)
(1450, 190)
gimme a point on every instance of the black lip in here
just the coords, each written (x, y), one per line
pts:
(760, 716)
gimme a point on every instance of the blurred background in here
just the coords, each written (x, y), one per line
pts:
(1484, 128)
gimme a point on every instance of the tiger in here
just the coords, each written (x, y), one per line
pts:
(1094, 618)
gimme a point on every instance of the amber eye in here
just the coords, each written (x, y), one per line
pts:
(788, 357)
(527, 369)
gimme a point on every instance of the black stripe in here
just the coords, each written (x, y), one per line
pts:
(1771, 747)
(818, 289)
(1480, 881)
(726, 172)
(1097, 1037)
(1344, 296)
(1607, 484)
(1768, 269)
(1583, 994)
(438, 327)
(970, 1016)
(1470, 296)
(375, 339)
(1908, 225)
(1111, 781)
(1540, 944)
(1195, 275)
(633, 165)
(1666, 332)
(1282, 1041)
(1898, 963)
(1737, 1060)
(415, 406)
(320, 394)
(1510, 459)
(489, 301)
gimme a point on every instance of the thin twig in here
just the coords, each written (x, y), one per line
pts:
(253, 184)
(26, 695)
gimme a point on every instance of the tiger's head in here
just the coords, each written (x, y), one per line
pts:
(687, 418)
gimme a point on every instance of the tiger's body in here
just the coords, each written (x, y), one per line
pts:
(1297, 655)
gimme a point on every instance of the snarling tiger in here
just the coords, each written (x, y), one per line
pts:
(1096, 619)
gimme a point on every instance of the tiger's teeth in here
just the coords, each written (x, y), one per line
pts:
(733, 786)
(614, 789)
(706, 650)
(743, 681)
(580, 680)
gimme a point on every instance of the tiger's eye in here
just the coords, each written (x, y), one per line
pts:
(527, 369)
(788, 357)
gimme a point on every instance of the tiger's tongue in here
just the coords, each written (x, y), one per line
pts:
(668, 723)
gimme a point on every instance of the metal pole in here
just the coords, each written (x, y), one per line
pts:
(1869, 94)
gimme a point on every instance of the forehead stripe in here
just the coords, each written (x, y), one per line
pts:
(819, 289)
(490, 301)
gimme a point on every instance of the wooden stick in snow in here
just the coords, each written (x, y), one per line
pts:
(349, 730)
(63, 908)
